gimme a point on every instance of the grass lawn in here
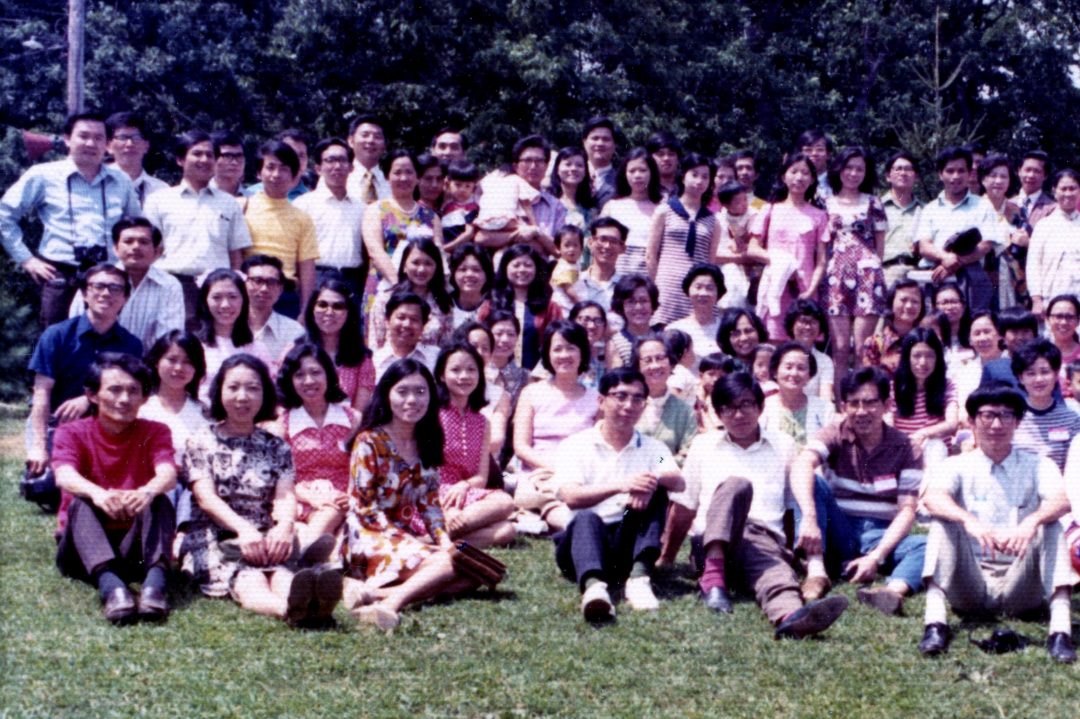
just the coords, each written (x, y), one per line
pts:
(521, 652)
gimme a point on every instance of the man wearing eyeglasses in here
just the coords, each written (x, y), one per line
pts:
(995, 546)
(615, 480)
(128, 146)
(607, 240)
(736, 485)
(78, 200)
(857, 520)
(66, 350)
(265, 281)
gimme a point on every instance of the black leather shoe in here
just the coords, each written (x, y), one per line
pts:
(119, 606)
(718, 600)
(153, 604)
(812, 618)
(1061, 648)
(935, 639)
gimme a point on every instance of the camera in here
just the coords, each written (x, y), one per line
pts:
(87, 257)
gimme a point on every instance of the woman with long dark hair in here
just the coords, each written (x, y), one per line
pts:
(222, 314)
(571, 184)
(471, 279)
(521, 287)
(334, 324)
(924, 400)
(637, 195)
(421, 272)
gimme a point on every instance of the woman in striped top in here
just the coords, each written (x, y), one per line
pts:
(924, 401)
(1049, 425)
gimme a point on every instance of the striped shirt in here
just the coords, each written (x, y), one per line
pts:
(920, 419)
(1048, 432)
(867, 483)
(155, 307)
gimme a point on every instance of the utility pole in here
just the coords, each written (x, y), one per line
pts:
(76, 54)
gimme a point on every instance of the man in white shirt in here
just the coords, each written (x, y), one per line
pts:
(953, 212)
(615, 480)
(736, 490)
(156, 303)
(995, 546)
(128, 146)
(368, 183)
(203, 227)
(230, 163)
(406, 315)
(336, 214)
(607, 240)
(265, 280)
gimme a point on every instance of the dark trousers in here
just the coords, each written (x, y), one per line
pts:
(753, 556)
(57, 294)
(289, 302)
(354, 277)
(191, 299)
(608, 551)
(86, 546)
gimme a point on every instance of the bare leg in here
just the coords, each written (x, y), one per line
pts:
(864, 327)
(493, 535)
(268, 597)
(840, 329)
(434, 575)
(496, 507)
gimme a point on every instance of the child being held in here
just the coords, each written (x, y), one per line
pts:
(461, 208)
(505, 201)
(682, 382)
(734, 222)
(566, 280)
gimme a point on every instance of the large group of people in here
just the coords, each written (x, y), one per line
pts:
(310, 391)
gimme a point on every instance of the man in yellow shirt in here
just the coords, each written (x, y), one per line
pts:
(280, 230)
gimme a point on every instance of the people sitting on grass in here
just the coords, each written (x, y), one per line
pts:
(397, 549)
(241, 542)
(615, 480)
(857, 520)
(115, 524)
(736, 483)
(995, 546)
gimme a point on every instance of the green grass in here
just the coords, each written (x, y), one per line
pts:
(521, 652)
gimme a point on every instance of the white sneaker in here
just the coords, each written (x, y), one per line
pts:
(639, 595)
(596, 604)
(530, 523)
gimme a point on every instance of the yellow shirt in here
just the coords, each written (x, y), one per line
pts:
(280, 230)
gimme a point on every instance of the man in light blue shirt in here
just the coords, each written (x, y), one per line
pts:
(954, 211)
(78, 200)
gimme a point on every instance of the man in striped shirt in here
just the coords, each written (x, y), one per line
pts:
(857, 520)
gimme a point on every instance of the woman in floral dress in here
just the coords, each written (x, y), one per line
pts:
(473, 512)
(240, 541)
(855, 280)
(396, 544)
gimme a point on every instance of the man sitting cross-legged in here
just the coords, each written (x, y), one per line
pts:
(736, 482)
(116, 522)
(616, 482)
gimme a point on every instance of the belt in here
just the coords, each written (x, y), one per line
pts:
(900, 260)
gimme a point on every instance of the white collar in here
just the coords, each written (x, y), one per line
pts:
(300, 420)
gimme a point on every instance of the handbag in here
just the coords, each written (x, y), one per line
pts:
(476, 564)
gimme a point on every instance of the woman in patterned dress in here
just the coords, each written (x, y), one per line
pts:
(388, 224)
(396, 544)
(333, 323)
(854, 278)
(240, 542)
(473, 512)
(316, 423)
(684, 232)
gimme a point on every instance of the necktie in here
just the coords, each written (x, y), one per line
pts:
(367, 192)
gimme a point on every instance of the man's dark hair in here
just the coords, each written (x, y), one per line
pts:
(811, 136)
(452, 130)
(620, 375)
(601, 223)
(901, 155)
(74, 118)
(852, 381)
(124, 119)
(366, 119)
(730, 387)
(950, 154)
(599, 121)
(996, 393)
(326, 144)
(190, 139)
(294, 134)
(264, 261)
(529, 141)
(408, 298)
(285, 154)
(1030, 352)
(127, 223)
(129, 364)
(1017, 318)
(743, 155)
(225, 137)
(1039, 156)
(662, 139)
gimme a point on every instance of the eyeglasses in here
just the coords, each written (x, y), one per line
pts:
(585, 320)
(335, 161)
(531, 161)
(233, 156)
(987, 417)
(334, 306)
(105, 288)
(126, 137)
(605, 240)
(746, 407)
(624, 397)
(863, 403)
(1064, 317)
(269, 282)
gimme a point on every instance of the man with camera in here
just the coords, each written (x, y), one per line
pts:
(78, 200)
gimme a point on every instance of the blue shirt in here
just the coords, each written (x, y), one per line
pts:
(74, 212)
(66, 350)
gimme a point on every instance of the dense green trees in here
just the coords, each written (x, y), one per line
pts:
(721, 74)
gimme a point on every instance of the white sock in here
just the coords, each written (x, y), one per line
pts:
(935, 605)
(1059, 613)
(815, 566)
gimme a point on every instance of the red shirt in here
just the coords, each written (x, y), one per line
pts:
(113, 461)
